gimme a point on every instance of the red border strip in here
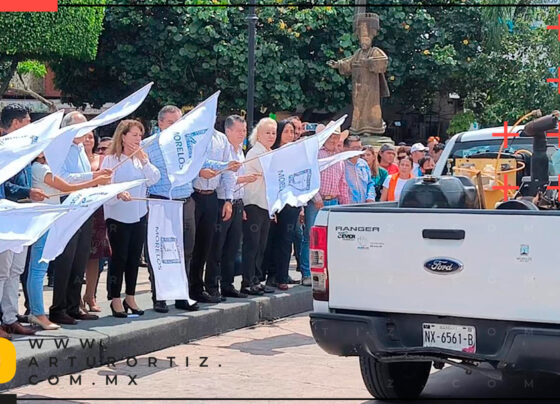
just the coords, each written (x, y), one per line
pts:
(28, 5)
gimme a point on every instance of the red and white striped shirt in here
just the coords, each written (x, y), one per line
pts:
(333, 181)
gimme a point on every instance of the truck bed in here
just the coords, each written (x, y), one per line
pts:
(510, 262)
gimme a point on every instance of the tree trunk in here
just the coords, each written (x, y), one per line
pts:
(7, 75)
(28, 91)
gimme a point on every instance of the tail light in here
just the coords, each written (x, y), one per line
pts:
(318, 263)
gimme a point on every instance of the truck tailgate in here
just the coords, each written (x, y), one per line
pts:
(511, 263)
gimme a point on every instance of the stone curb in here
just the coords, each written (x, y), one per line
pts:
(112, 339)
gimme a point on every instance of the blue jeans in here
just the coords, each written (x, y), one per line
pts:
(310, 216)
(37, 272)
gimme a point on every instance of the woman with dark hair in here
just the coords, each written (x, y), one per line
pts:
(402, 151)
(279, 246)
(378, 173)
(100, 249)
(394, 184)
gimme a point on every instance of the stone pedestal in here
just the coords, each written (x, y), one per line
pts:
(376, 140)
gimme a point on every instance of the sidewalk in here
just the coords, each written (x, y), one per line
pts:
(92, 343)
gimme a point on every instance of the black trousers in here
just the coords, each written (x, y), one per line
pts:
(220, 266)
(68, 270)
(279, 247)
(188, 240)
(127, 241)
(255, 235)
(206, 217)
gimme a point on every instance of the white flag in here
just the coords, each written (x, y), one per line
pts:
(58, 150)
(90, 199)
(326, 162)
(19, 148)
(329, 130)
(22, 224)
(165, 249)
(184, 145)
(291, 173)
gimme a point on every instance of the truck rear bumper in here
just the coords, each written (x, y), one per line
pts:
(507, 344)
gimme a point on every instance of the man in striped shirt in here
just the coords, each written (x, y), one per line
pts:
(333, 191)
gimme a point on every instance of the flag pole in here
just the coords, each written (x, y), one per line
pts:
(128, 157)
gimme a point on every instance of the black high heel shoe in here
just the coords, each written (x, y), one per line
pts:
(118, 314)
(133, 311)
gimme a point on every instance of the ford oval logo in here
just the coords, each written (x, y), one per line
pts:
(443, 266)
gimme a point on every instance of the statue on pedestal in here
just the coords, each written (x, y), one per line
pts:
(367, 67)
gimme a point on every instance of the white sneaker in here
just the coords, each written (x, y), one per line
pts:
(306, 281)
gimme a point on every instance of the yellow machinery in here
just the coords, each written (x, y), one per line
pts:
(489, 178)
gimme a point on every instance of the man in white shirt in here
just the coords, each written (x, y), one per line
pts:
(227, 238)
(69, 267)
(207, 211)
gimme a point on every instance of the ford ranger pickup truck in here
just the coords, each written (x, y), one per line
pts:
(436, 278)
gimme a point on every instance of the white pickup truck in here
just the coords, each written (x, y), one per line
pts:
(407, 288)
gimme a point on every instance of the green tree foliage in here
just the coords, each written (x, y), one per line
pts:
(190, 52)
(509, 79)
(72, 32)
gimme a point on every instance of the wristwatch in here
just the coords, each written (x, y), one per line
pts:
(229, 200)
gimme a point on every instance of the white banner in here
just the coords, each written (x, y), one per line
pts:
(291, 173)
(19, 148)
(90, 199)
(21, 224)
(58, 150)
(326, 162)
(165, 249)
(184, 145)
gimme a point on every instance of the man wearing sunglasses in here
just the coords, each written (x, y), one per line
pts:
(103, 145)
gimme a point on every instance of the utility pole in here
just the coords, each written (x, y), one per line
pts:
(251, 22)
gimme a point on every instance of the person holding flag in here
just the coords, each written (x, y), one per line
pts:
(13, 265)
(43, 179)
(167, 116)
(220, 268)
(207, 213)
(68, 268)
(333, 191)
(126, 217)
(279, 246)
(257, 223)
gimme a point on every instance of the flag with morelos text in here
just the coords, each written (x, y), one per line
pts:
(57, 151)
(326, 162)
(184, 145)
(165, 250)
(22, 224)
(291, 173)
(21, 147)
(89, 199)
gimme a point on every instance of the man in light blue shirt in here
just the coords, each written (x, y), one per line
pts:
(167, 116)
(358, 174)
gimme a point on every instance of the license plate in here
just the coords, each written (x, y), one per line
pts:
(455, 337)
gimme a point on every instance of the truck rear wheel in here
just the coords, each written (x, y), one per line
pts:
(394, 380)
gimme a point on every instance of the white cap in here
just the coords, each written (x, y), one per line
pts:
(418, 147)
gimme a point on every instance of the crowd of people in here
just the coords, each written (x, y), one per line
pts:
(225, 215)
